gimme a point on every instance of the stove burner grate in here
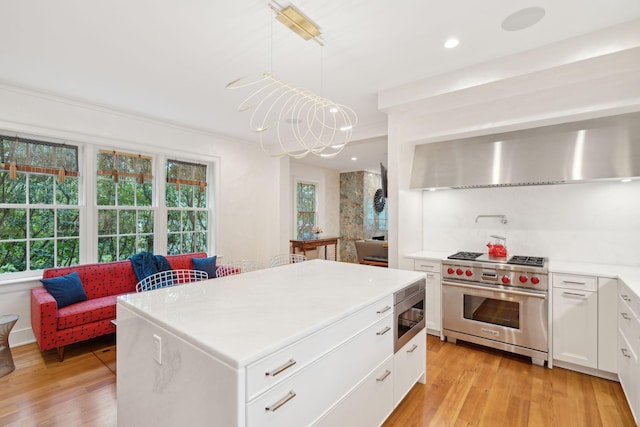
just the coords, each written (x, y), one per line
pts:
(466, 256)
(526, 260)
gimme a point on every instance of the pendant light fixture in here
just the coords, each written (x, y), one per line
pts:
(290, 120)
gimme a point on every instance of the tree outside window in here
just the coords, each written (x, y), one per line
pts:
(39, 213)
(125, 205)
(306, 209)
(187, 210)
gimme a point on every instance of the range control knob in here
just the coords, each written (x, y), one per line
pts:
(459, 272)
(468, 273)
(450, 270)
(523, 279)
(506, 280)
(535, 280)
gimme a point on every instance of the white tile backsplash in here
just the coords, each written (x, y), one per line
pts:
(589, 222)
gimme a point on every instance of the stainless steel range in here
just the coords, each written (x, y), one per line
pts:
(498, 302)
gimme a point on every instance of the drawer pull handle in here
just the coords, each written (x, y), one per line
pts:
(625, 353)
(384, 331)
(279, 403)
(384, 376)
(413, 348)
(384, 310)
(625, 298)
(278, 370)
(571, 282)
(625, 316)
(574, 294)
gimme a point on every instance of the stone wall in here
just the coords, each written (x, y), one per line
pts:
(358, 219)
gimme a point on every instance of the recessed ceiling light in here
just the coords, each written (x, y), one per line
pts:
(354, 159)
(345, 128)
(333, 110)
(524, 18)
(451, 43)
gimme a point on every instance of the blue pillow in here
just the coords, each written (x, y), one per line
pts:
(206, 264)
(66, 290)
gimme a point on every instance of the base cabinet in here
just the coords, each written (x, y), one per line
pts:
(369, 404)
(409, 366)
(585, 321)
(433, 294)
(628, 348)
(575, 327)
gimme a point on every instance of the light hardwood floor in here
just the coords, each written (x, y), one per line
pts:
(469, 385)
(466, 386)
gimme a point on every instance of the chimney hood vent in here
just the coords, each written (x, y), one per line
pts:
(596, 149)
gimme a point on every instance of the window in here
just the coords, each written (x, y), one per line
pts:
(305, 209)
(187, 210)
(125, 205)
(39, 213)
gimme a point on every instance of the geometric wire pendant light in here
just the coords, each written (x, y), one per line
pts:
(290, 120)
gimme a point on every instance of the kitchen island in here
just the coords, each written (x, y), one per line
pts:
(305, 343)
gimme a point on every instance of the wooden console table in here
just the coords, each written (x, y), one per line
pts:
(315, 242)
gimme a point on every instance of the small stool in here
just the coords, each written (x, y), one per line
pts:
(6, 360)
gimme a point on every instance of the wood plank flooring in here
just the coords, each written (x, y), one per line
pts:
(467, 385)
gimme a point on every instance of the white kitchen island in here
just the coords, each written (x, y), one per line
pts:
(306, 343)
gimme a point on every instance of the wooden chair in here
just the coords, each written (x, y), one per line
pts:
(236, 267)
(284, 259)
(166, 278)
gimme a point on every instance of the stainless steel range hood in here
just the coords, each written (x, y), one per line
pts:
(603, 148)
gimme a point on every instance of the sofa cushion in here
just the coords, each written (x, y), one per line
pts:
(88, 311)
(65, 290)
(208, 265)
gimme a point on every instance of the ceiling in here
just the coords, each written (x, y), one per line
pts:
(171, 60)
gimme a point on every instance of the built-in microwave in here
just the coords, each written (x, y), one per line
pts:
(408, 311)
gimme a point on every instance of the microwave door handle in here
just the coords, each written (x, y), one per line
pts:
(488, 289)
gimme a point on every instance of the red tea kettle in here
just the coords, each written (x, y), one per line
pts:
(497, 246)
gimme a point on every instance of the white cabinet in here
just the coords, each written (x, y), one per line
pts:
(607, 324)
(628, 347)
(575, 326)
(584, 321)
(433, 294)
(409, 366)
(305, 396)
(369, 404)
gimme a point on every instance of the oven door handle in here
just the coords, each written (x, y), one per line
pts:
(489, 288)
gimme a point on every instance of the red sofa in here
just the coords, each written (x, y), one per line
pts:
(55, 328)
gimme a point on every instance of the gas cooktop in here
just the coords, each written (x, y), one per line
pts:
(513, 260)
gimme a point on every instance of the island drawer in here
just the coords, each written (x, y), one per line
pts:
(278, 366)
(575, 281)
(369, 404)
(426, 265)
(303, 398)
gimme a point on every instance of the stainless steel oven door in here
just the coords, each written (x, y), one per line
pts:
(409, 319)
(503, 315)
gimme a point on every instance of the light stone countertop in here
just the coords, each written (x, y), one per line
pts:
(430, 255)
(627, 273)
(242, 318)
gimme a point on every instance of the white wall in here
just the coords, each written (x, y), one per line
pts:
(328, 197)
(594, 75)
(590, 222)
(248, 188)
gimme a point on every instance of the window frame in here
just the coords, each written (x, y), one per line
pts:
(208, 203)
(304, 181)
(13, 277)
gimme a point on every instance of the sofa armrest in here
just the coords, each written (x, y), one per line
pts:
(44, 314)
